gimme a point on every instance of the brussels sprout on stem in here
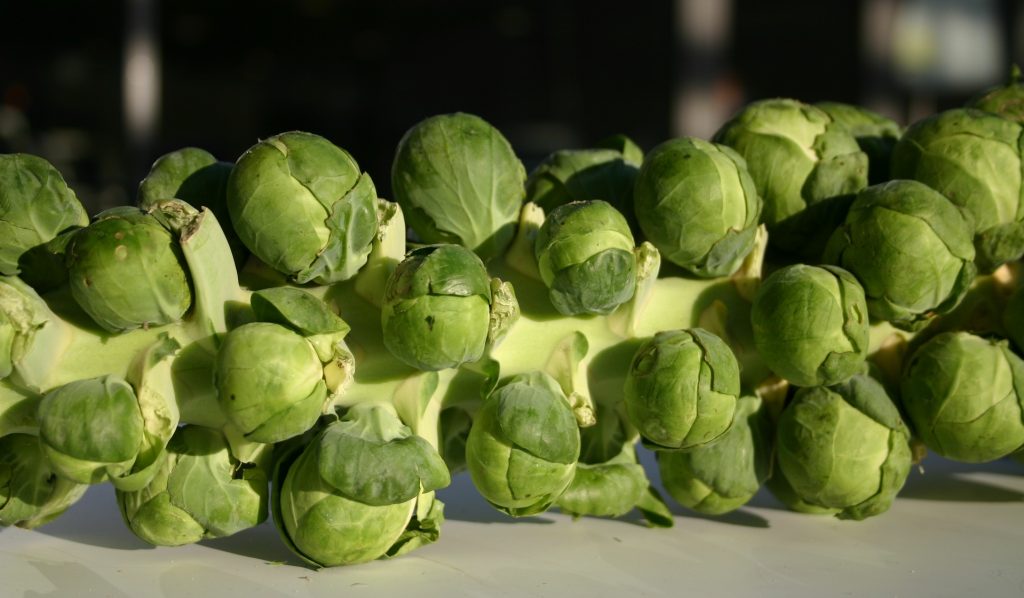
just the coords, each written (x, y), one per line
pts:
(458, 181)
(585, 257)
(300, 204)
(362, 489)
(200, 490)
(36, 205)
(698, 205)
(844, 447)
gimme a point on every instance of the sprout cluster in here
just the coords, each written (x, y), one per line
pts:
(261, 337)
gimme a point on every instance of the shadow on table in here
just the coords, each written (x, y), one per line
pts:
(463, 503)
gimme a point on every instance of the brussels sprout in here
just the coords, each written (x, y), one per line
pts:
(127, 271)
(805, 167)
(927, 272)
(35, 206)
(1005, 100)
(524, 444)
(91, 429)
(577, 175)
(682, 388)
(875, 134)
(31, 494)
(697, 204)
(194, 176)
(458, 181)
(844, 447)
(810, 324)
(107, 427)
(298, 203)
(723, 476)
(200, 491)
(964, 396)
(974, 159)
(352, 494)
(585, 256)
(441, 308)
(275, 377)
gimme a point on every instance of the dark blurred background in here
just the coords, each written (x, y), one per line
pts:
(102, 88)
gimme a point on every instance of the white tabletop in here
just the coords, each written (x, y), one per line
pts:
(956, 530)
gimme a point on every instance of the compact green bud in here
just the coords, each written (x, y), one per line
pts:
(964, 396)
(276, 377)
(875, 134)
(441, 308)
(974, 159)
(459, 181)
(585, 256)
(524, 444)
(31, 493)
(723, 476)
(194, 176)
(810, 324)
(200, 491)
(35, 206)
(299, 203)
(804, 165)
(844, 447)
(578, 175)
(926, 273)
(1005, 100)
(698, 205)
(352, 493)
(682, 388)
(126, 270)
(91, 429)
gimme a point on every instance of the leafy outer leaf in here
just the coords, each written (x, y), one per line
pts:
(353, 226)
(458, 181)
(422, 530)
(282, 193)
(35, 206)
(296, 309)
(963, 395)
(725, 475)
(681, 389)
(91, 428)
(608, 489)
(810, 324)
(205, 483)
(371, 457)
(151, 377)
(148, 511)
